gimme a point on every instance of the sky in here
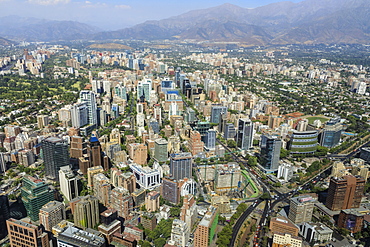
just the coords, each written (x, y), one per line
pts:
(113, 14)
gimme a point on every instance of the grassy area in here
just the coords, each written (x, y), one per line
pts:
(247, 177)
(321, 118)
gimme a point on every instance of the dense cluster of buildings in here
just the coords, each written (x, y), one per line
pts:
(130, 142)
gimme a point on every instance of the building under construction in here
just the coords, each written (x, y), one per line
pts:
(225, 179)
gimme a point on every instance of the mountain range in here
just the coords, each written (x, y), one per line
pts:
(33, 29)
(306, 22)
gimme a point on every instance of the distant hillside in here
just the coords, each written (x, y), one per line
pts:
(310, 21)
(5, 42)
(112, 46)
(306, 22)
(32, 29)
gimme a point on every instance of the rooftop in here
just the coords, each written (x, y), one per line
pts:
(207, 219)
(73, 233)
(53, 139)
(50, 206)
(179, 156)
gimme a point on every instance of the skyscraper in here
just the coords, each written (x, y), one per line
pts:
(120, 91)
(210, 139)
(301, 209)
(244, 138)
(170, 190)
(79, 115)
(85, 211)
(229, 131)
(94, 151)
(345, 192)
(160, 150)
(35, 194)
(331, 133)
(77, 147)
(68, 183)
(88, 97)
(56, 155)
(216, 112)
(180, 165)
(144, 88)
(270, 152)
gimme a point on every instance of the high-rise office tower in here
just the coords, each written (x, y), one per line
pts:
(177, 77)
(170, 190)
(160, 150)
(77, 147)
(120, 91)
(210, 139)
(4, 214)
(35, 194)
(345, 192)
(89, 98)
(244, 138)
(56, 155)
(301, 209)
(223, 123)
(25, 234)
(115, 111)
(229, 131)
(216, 112)
(94, 152)
(331, 133)
(51, 214)
(180, 165)
(68, 183)
(85, 211)
(189, 115)
(79, 115)
(270, 152)
(143, 89)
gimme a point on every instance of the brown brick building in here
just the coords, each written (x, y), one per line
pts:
(345, 192)
(283, 225)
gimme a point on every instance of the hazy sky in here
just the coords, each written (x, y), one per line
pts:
(113, 14)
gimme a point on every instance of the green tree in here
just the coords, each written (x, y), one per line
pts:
(231, 143)
(265, 196)
(175, 211)
(144, 243)
(159, 242)
(284, 153)
(252, 161)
